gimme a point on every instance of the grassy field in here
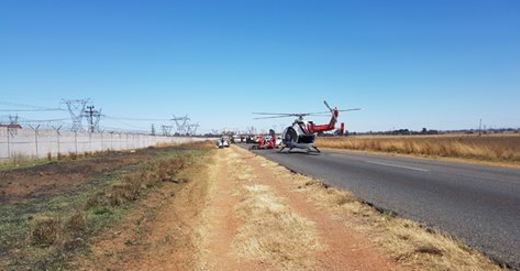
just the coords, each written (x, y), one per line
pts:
(50, 211)
(494, 148)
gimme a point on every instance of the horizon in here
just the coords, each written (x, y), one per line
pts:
(409, 65)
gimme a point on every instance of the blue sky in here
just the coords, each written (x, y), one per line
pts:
(440, 64)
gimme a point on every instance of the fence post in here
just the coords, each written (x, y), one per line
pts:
(8, 130)
(76, 141)
(89, 141)
(57, 129)
(35, 129)
(58, 143)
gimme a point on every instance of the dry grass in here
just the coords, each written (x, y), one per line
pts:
(406, 241)
(45, 231)
(273, 233)
(48, 231)
(496, 148)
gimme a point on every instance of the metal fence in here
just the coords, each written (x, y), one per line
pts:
(37, 143)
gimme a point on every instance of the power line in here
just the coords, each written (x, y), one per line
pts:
(133, 119)
(128, 125)
(28, 105)
(32, 110)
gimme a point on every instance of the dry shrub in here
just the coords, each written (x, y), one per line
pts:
(44, 231)
(122, 193)
(73, 155)
(77, 223)
(339, 197)
(94, 200)
(167, 169)
(131, 185)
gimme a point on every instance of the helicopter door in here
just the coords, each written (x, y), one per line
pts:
(290, 136)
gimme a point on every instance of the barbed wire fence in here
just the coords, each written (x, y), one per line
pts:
(40, 142)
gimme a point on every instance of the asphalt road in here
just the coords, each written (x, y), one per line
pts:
(478, 204)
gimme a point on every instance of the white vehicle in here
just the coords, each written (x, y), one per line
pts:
(223, 143)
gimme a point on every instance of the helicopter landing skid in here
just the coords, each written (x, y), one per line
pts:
(283, 148)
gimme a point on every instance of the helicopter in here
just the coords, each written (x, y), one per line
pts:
(302, 134)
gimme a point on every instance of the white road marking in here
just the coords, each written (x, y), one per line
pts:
(397, 166)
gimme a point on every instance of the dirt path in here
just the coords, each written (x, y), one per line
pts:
(255, 220)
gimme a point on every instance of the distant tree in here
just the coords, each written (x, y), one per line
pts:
(153, 130)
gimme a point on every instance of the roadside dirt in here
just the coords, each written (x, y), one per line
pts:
(60, 177)
(233, 214)
(159, 234)
(308, 238)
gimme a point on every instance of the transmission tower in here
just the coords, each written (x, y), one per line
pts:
(13, 120)
(93, 116)
(181, 124)
(76, 110)
(167, 130)
(192, 129)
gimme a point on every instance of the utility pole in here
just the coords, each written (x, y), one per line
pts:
(93, 117)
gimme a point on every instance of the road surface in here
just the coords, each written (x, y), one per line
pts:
(478, 204)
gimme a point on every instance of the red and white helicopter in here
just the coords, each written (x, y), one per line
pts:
(302, 134)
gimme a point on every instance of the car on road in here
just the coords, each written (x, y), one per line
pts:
(223, 143)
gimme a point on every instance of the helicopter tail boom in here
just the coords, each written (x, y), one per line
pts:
(319, 128)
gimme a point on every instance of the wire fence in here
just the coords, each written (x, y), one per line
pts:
(35, 143)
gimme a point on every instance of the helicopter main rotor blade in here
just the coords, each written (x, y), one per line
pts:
(284, 114)
(328, 106)
(327, 114)
(273, 114)
(342, 110)
(350, 109)
(274, 117)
